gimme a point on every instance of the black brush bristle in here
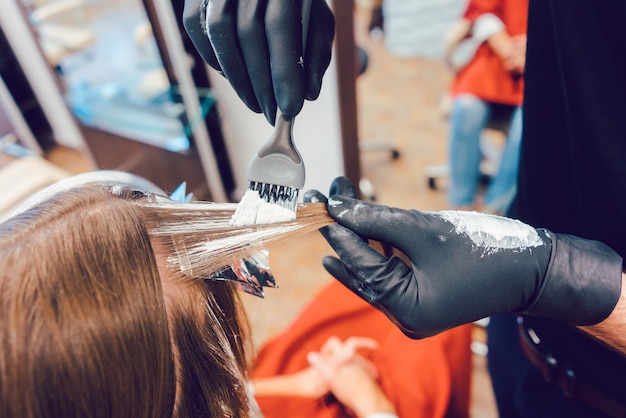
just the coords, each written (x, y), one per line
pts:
(284, 196)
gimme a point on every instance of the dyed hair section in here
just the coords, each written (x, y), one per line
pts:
(200, 240)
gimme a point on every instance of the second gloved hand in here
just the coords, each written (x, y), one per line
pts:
(465, 266)
(257, 45)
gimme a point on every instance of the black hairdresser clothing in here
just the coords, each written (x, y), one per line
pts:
(572, 178)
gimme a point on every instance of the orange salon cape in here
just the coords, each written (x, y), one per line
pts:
(423, 378)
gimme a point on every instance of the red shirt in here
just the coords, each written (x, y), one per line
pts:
(485, 75)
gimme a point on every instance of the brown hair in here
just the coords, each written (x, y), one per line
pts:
(90, 328)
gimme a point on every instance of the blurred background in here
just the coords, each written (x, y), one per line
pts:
(116, 84)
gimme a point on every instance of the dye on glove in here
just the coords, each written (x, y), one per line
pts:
(465, 266)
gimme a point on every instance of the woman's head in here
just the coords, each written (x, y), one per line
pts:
(91, 328)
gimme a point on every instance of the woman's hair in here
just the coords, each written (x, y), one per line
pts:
(93, 323)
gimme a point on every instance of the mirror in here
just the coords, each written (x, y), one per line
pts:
(113, 78)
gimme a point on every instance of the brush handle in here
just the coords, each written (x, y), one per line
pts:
(278, 161)
(281, 140)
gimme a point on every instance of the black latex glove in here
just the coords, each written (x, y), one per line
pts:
(465, 266)
(257, 46)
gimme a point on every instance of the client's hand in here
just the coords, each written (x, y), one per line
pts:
(309, 382)
(306, 383)
(352, 379)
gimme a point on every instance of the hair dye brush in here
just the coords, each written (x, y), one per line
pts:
(276, 173)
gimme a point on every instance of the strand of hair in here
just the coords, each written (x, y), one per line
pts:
(201, 241)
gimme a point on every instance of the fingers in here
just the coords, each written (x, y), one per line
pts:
(326, 361)
(348, 374)
(359, 343)
(195, 25)
(349, 347)
(221, 25)
(330, 344)
(255, 50)
(319, 46)
(283, 27)
(321, 365)
(375, 283)
(314, 196)
(368, 367)
(349, 247)
(343, 274)
(362, 269)
(377, 222)
(344, 187)
(334, 353)
(257, 46)
(355, 254)
(384, 283)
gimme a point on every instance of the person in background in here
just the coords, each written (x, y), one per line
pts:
(571, 179)
(487, 86)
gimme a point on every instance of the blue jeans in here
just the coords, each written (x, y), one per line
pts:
(468, 119)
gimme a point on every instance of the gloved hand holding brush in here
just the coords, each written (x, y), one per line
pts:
(257, 45)
(465, 266)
